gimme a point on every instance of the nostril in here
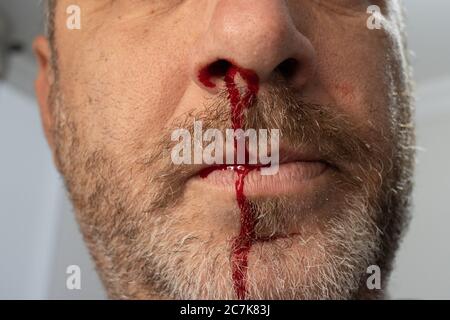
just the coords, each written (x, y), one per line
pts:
(213, 71)
(219, 68)
(288, 68)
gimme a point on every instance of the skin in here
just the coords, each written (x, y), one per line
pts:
(120, 83)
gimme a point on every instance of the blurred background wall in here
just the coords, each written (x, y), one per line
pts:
(38, 234)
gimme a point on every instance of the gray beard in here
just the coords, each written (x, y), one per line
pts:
(142, 249)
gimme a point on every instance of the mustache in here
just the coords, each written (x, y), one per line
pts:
(338, 141)
(303, 124)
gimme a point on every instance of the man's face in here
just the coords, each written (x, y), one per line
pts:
(337, 91)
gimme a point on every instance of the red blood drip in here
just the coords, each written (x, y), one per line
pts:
(243, 242)
(239, 102)
(205, 77)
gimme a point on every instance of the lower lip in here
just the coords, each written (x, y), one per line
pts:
(292, 177)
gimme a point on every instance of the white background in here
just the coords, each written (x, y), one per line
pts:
(39, 237)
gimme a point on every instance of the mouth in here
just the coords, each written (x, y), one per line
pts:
(297, 172)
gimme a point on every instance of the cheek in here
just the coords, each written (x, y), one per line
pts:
(345, 91)
(124, 88)
(354, 71)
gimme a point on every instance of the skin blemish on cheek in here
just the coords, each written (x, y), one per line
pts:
(242, 243)
(346, 90)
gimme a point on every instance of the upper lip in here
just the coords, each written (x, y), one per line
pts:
(287, 154)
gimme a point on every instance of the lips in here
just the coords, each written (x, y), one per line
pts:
(297, 171)
(291, 177)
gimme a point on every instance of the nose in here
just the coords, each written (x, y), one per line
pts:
(254, 35)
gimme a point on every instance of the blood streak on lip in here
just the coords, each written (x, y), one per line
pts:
(239, 102)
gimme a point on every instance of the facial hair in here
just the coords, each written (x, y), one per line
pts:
(130, 206)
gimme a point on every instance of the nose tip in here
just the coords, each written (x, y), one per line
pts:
(268, 44)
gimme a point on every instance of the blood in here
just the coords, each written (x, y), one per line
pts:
(205, 77)
(239, 102)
